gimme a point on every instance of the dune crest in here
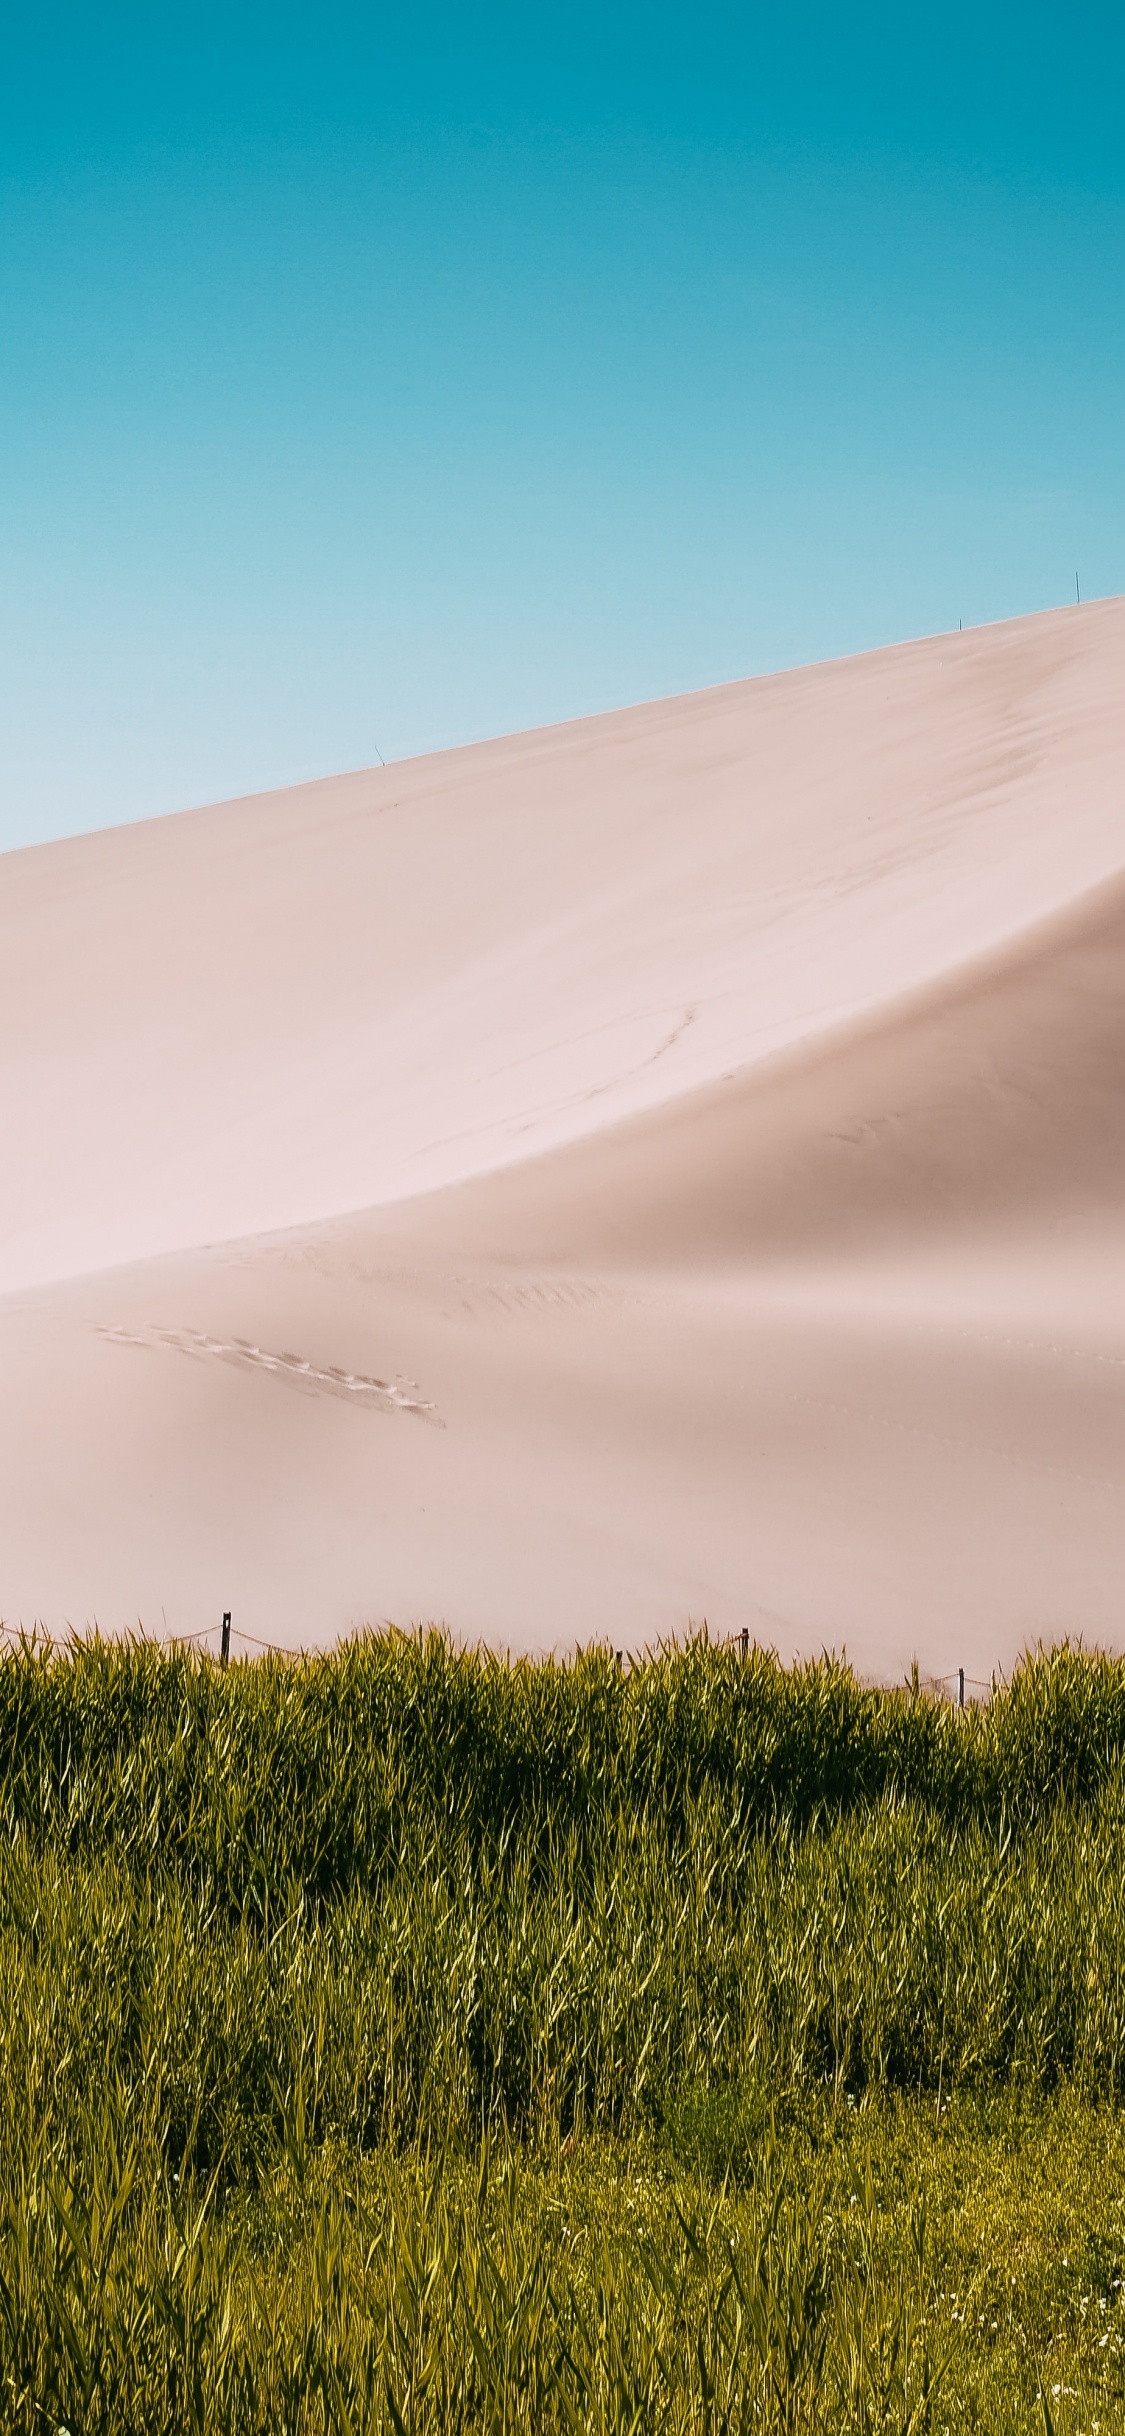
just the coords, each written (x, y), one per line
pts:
(714, 1113)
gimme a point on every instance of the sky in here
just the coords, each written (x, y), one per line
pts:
(372, 380)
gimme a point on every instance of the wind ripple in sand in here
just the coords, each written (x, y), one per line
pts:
(372, 1395)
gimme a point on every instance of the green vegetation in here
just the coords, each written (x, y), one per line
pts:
(398, 2040)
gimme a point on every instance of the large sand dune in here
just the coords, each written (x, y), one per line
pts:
(665, 1167)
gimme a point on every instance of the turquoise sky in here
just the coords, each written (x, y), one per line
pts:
(373, 380)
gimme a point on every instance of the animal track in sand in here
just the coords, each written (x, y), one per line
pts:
(370, 1395)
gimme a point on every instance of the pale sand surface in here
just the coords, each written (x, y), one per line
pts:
(681, 1156)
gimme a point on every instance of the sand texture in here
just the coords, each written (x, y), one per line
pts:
(668, 1167)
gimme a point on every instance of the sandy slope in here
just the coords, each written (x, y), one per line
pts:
(732, 1093)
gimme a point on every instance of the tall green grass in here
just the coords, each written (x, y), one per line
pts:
(269, 1770)
(318, 1983)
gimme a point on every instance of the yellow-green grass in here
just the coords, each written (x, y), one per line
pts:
(400, 2040)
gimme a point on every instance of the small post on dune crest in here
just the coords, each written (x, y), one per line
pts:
(960, 1687)
(224, 1646)
(744, 1637)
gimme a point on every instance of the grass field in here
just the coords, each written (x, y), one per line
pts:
(399, 2040)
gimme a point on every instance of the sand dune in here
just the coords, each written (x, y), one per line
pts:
(665, 1167)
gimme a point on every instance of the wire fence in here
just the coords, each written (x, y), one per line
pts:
(954, 1686)
(18, 1633)
(275, 1649)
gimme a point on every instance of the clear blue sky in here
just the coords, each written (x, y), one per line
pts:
(373, 379)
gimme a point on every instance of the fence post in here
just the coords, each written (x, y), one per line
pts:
(960, 1687)
(224, 1650)
(744, 1637)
